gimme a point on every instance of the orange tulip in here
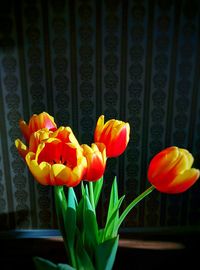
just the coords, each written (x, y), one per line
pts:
(170, 170)
(114, 134)
(36, 122)
(96, 160)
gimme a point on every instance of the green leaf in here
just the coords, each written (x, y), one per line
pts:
(88, 204)
(72, 200)
(83, 259)
(70, 217)
(61, 206)
(113, 199)
(110, 228)
(62, 266)
(80, 214)
(113, 211)
(81, 207)
(42, 264)
(82, 189)
(90, 226)
(70, 224)
(100, 235)
(66, 212)
(97, 186)
(86, 190)
(91, 194)
(106, 253)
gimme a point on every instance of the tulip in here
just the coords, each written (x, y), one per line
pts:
(114, 134)
(54, 158)
(170, 170)
(36, 122)
(57, 163)
(96, 161)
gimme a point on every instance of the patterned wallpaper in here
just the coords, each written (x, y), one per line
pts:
(133, 60)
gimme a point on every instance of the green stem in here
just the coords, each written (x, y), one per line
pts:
(132, 204)
(91, 195)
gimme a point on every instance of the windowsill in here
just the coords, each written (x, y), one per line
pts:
(147, 248)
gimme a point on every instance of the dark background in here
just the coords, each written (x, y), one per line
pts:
(137, 61)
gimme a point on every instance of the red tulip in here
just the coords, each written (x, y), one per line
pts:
(114, 134)
(96, 160)
(36, 122)
(170, 170)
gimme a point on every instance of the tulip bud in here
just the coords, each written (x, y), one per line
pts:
(114, 134)
(170, 170)
(96, 160)
(36, 122)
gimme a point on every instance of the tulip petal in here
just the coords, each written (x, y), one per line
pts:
(183, 181)
(59, 174)
(162, 162)
(63, 175)
(107, 131)
(96, 161)
(119, 142)
(50, 151)
(41, 172)
(24, 129)
(182, 163)
(21, 147)
(116, 128)
(42, 120)
(65, 134)
(98, 129)
(102, 148)
(96, 170)
(37, 137)
(188, 156)
(175, 168)
(70, 155)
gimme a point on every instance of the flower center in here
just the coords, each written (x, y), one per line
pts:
(57, 152)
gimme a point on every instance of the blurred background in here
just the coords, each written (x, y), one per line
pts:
(137, 61)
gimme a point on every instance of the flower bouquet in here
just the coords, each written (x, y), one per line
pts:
(55, 157)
